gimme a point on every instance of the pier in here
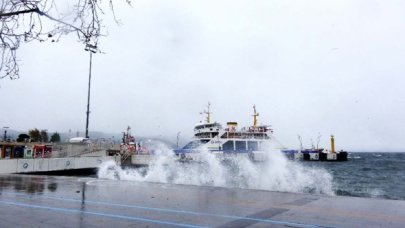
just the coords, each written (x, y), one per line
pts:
(51, 158)
(49, 165)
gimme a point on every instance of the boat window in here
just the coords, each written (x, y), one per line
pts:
(203, 135)
(199, 127)
(252, 145)
(228, 146)
(240, 145)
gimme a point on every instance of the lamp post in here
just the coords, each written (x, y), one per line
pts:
(178, 136)
(5, 133)
(92, 49)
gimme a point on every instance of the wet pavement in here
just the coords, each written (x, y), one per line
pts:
(57, 201)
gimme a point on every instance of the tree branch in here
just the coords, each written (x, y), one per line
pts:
(59, 21)
(22, 21)
(18, 12)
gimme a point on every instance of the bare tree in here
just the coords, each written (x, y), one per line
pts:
(40, 20)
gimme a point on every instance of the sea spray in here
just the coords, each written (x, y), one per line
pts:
(275, 174)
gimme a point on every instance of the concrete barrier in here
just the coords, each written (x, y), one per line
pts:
(8, 165)
(41, 165)
(85, 162)
(51, 164)
(61, 163)
(25, 165)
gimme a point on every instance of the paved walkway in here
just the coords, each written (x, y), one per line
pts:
(49, 201)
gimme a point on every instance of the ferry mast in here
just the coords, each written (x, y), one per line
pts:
(255, 115)
(208, 113)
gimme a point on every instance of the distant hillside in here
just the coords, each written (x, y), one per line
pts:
(11, 134)
(65, 136)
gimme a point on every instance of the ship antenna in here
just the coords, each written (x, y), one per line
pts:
(318, 139)
(300, 139)
(127, 135)
(255, 115)
(208, 118)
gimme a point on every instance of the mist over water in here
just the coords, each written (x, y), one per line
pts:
(275, 174)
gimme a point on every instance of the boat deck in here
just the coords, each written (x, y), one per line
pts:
(49, 201)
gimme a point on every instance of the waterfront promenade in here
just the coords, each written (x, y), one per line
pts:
(58, 201)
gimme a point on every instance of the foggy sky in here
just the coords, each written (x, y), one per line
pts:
(311, 67)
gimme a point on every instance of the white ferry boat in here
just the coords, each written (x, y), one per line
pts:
(249, 141)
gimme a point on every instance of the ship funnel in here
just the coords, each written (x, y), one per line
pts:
(232, 126)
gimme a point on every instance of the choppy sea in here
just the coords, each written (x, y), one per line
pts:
(375, 175)
(372, 175)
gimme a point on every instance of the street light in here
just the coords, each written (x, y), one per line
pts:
(5, 133)
(178, 136)
(92, 49)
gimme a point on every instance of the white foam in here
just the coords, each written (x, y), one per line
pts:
(275, 174)
(375, 193)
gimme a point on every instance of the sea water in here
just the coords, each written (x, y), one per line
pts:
(377, 175)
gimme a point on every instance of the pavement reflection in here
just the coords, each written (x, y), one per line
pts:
(60, 201)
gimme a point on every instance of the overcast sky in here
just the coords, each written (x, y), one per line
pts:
(328, 67)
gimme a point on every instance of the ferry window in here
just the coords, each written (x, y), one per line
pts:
(253, 146)
(228, 146)
(240, 145)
